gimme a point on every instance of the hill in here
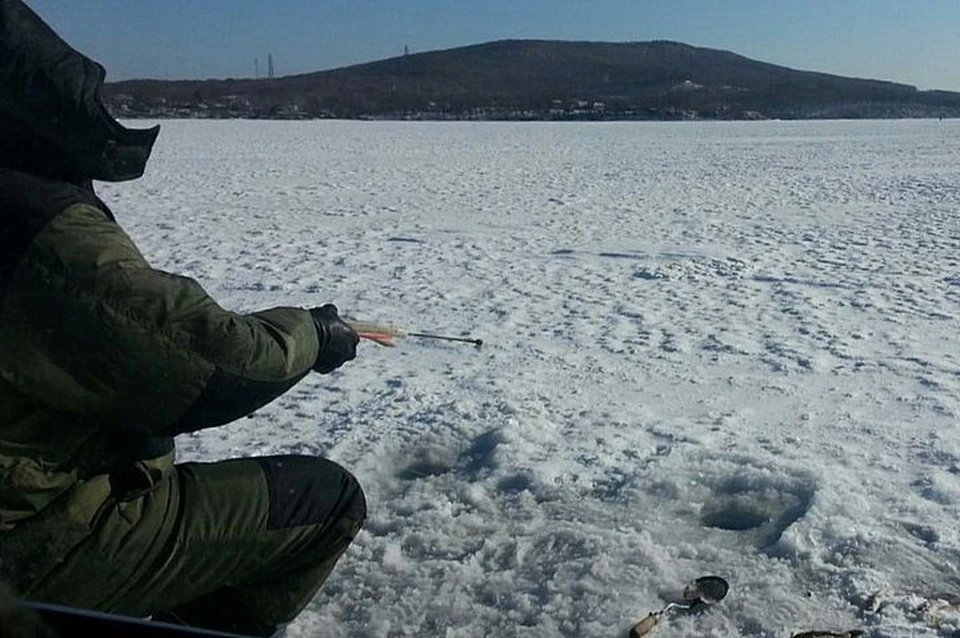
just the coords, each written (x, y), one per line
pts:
(537, 79)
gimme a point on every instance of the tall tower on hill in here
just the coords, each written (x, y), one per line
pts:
(269, 65)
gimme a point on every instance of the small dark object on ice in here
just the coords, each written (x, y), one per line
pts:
(706, 590)
(701, 592)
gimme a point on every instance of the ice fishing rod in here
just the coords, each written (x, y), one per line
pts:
(385, 334)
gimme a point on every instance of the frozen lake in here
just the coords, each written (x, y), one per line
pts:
(709, 348)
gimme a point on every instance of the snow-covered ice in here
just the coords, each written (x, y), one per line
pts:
(709, 348)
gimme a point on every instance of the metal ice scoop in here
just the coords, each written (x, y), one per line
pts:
(701, 592)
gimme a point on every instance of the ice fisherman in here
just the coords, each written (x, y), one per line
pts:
(104, 360)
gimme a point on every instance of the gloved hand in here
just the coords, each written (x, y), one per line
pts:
(338, 341)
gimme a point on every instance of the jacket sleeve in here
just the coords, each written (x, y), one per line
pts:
(95, 331)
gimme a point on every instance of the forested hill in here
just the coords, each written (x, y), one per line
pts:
(536, 79)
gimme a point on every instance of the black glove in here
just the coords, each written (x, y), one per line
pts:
(338, 341)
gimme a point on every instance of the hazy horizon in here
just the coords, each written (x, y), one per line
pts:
(907, 42)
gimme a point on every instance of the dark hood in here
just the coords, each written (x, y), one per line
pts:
(52, 121)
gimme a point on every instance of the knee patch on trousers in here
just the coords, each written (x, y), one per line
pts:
(306, 490)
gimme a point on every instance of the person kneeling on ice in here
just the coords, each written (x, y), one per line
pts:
(103, 360)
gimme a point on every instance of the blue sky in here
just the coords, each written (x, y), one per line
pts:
(912, 41)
